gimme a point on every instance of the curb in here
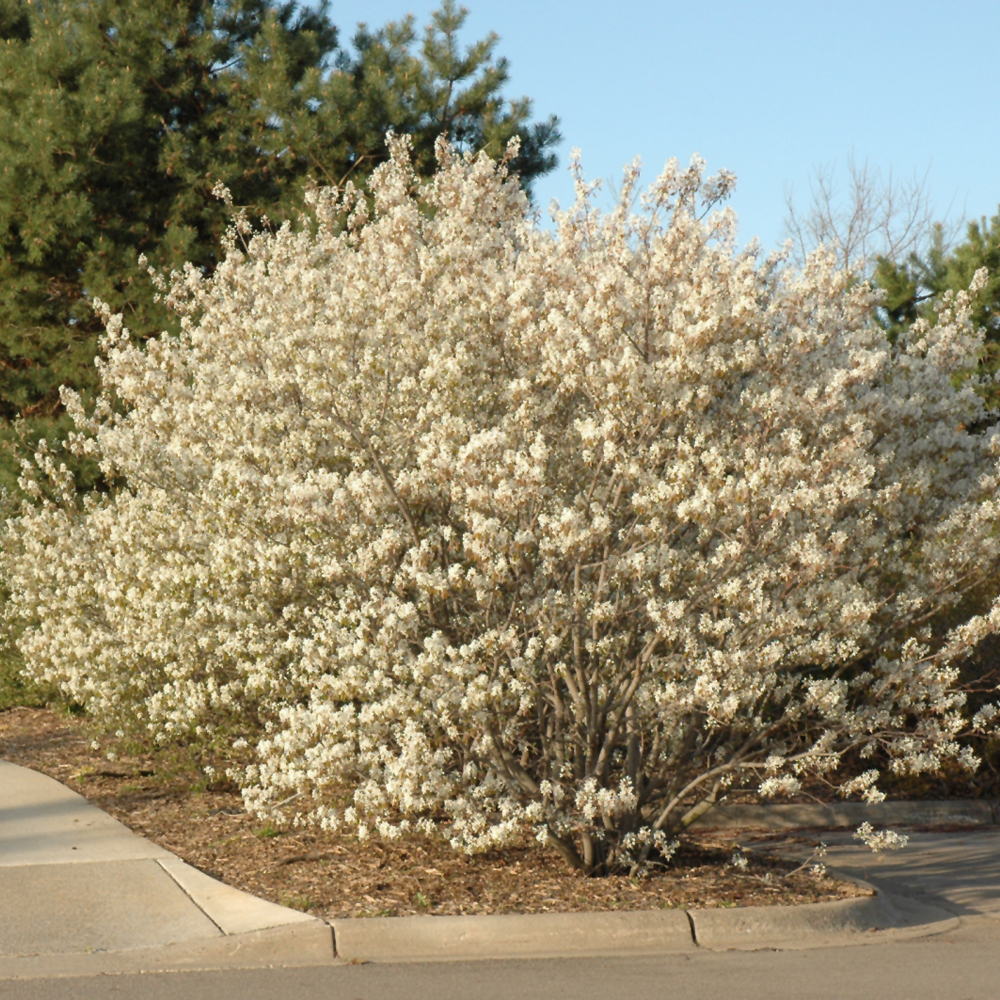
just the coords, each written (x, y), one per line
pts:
(309, 941)
(945, 812)
(285, 947)
(512, 935)
(862, 920)
(231, 910)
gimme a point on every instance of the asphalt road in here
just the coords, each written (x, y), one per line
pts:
(963, 965)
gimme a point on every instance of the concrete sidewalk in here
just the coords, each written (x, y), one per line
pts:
(80, 892)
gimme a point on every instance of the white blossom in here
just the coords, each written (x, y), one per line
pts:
(477, 529)
(880, 840)
(739, 861)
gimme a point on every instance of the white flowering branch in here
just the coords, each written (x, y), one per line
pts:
(483, 531)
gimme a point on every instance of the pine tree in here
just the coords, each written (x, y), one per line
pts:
(914, 287)
(120, 117)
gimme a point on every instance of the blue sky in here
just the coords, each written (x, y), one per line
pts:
(769, 90)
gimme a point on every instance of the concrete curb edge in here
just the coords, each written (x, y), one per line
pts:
(287, 946)
(860, 920)
(232, 910)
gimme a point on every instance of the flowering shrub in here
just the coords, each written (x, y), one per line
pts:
(477, 529)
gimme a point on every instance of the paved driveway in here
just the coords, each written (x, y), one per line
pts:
(959, 872)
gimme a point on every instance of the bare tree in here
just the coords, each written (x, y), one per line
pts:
(876, 217)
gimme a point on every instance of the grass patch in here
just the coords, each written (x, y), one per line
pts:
(16, 691)
(295, 902)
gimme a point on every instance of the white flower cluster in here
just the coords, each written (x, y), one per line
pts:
(477, 529)
(880, 840)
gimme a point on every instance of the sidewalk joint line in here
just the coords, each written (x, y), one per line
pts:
(189, 896)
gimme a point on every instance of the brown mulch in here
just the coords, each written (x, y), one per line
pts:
(336, 876)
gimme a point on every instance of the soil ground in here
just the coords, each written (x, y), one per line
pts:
(336, 876)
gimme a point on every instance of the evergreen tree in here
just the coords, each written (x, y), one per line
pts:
(120, 117)
(914, 287)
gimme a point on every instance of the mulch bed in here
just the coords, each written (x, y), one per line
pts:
(336, 876)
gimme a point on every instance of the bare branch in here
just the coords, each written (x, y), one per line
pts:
(871, 216)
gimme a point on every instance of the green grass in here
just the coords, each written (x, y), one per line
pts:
(17, 691)
(295, 902)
